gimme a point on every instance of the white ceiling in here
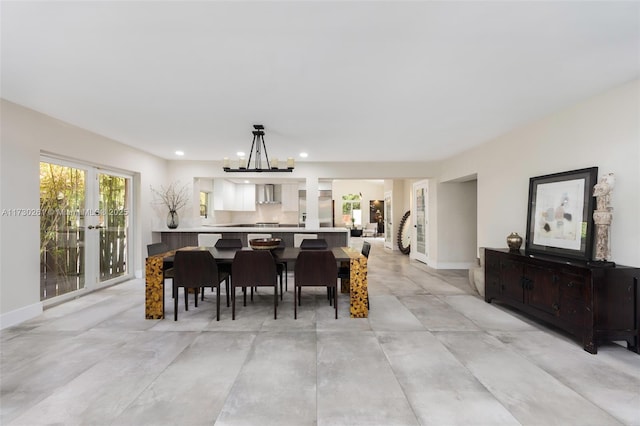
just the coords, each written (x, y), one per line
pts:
(343, 81)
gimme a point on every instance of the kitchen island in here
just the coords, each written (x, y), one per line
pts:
(185, 237)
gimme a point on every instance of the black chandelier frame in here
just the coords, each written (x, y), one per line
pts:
(258, 146)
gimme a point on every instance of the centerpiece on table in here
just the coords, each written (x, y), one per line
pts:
(174, 197)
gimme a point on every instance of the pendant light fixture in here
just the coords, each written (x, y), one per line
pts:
(258, 147)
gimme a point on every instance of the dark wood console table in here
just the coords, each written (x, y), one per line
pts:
(592, 303)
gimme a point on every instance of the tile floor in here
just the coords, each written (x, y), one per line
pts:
(430, 353)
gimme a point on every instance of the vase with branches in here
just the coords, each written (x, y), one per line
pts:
(174, 197)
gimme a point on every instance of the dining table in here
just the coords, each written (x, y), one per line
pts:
(355, 285)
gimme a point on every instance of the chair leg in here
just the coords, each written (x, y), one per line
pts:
(175, 308)
(186, 299)
(233, 303)
(217, 303)
(227, 284)
(335, 300)
(275, 301)
(295, 304)
(244, 290)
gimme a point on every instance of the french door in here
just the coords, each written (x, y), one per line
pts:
(388, 224)
(420, 220)
(84, 228)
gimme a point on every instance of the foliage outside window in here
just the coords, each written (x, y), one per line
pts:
(351, 211)
(62, 211)
(204, 204)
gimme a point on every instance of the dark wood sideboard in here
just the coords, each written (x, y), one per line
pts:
(593, 303)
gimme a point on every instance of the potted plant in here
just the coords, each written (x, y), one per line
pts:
(174, 197)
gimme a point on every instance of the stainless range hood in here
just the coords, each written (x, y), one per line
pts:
(268, 194)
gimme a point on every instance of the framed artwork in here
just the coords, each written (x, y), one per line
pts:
(560, 214)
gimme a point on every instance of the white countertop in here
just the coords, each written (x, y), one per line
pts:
(257, 229)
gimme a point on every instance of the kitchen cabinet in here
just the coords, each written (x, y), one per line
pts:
(590, 302)
(245, 197)
(233, 197)
(223, 195)
(290, 200)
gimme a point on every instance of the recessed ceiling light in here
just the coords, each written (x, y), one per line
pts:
(246, 181)
(180, 153)
(304, 155)
(240, 154)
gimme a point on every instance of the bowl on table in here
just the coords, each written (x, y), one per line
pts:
(264, 243)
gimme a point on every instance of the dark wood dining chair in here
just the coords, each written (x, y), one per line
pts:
(196, 269)
(253, 268)
(157, 248)
(314, 244)
(283, 271)
(228, 243)
(315, 268)
(167, 268)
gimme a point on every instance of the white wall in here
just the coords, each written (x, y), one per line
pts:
(602, 131)
(24, 135)
(456, 228)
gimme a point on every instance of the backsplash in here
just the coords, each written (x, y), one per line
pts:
(263, 213)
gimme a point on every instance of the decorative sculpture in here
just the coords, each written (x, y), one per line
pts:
(602, 216)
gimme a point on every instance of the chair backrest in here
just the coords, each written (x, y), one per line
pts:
(195, 268)
(314, 244)
(366, 248)
(157, 248)
(298, 238)
(256, 236)
(229, 243)
(208, 240)
(253, 268)
(316, 268)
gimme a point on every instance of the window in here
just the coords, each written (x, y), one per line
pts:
(351, 211)
(204, 204)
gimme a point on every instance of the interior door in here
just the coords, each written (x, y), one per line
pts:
(420, 221)
(84, 228)
(388, 225)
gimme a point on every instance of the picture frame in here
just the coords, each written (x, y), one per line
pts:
(560, 214)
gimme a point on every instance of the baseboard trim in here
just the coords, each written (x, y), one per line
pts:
(20, 315)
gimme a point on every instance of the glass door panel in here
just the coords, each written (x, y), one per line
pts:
(113, 224)
(388, 234)
(62, 232)
(419, 250)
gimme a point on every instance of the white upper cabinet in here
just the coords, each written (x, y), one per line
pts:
(290, 197)
(233, 197)
(246, 197)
